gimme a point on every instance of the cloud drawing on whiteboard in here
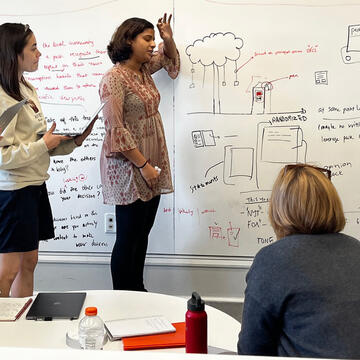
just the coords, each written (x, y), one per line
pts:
(227, 47)
(215, 51)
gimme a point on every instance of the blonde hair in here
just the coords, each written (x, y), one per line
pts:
(304, 201)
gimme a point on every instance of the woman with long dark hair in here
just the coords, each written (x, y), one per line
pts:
(25, 213)
(134, 148)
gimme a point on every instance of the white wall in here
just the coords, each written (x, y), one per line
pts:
(214, 283)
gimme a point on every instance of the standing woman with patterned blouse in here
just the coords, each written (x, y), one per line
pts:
(134, 142)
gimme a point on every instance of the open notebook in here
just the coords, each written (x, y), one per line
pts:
(12, 308)
(74, 132)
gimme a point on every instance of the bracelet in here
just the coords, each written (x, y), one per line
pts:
(140, 167)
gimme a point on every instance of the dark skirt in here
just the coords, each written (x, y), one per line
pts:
(25, 218)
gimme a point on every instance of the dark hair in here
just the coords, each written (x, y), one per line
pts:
(13, 39)
(119, 48)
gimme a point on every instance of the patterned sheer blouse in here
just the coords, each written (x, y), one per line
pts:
(132, 120)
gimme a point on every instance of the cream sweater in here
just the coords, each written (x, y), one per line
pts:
(24, 156)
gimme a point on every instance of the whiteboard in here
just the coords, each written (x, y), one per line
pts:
(262, 84)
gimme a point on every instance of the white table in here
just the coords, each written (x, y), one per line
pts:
(70, 354)
(223, 330)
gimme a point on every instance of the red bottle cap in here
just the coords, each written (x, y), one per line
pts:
(91, 311)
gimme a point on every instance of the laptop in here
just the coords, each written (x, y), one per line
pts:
(9, 114)
(49, 306)
(80, 130)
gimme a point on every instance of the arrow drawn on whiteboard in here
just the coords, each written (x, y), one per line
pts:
(243, 65)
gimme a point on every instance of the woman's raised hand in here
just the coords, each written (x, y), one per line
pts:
(164, 27)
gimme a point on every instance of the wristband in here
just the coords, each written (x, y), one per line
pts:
(140, 167)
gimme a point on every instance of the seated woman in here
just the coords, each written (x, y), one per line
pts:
(303, 291)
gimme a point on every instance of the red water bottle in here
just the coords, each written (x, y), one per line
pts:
(196, 326)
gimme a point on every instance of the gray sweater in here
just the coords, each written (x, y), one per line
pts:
(303, 298)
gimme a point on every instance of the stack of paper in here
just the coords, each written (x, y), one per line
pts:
(175, 339)
(117, 329)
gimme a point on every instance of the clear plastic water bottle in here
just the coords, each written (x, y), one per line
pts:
(91, 330)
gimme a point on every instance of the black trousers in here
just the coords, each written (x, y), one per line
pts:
(133, 225)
